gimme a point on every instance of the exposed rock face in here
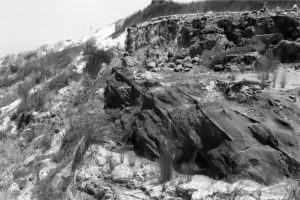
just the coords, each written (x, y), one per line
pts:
(258, 140)
(204, 33)
(125, 94)
(229, 142)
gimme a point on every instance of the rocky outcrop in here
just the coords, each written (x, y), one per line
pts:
(257, 140)
(202, 33)
(228, 142)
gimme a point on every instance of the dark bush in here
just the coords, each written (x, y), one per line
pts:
(59, 82)
(166, 166)
(90, 47)
(35, 102)
(166, 162)
(62, 80)
(13, 68)
(37, 69)
(95, 61)
(60, 60)
(43, 68)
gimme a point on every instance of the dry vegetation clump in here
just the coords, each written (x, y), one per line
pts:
(23, 89)
(275, 75)
(95, 57)
(44, 189)
(131, 159)
(90, 47)
(36, 101)
(283, 80)
(89, 88)
(39, 68)
(89, 129)
(84, 131)
(112, 165)
(60, 60)
(95, 61)
(62, 81)
(186, 169)
(8, 99)
(165, 162)
(5, 80)
(29, 103)
(265, 65)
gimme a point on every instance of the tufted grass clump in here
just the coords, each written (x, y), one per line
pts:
(166, 166)
(283, 80)
(95, 61)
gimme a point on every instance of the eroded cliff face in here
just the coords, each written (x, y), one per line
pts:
(203, 32)
(195, 112)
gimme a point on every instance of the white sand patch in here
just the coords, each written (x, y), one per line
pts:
(205, 187)
(110, 42)
(103, 39)
(80, 67)
(247, 76)
(101, 34)
(151, 75)
(292, 79)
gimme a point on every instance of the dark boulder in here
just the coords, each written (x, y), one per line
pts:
(235, 36)
(212, 29)
(208, 42)
(249, 32)
(187, 36)
(265, 25)
(246, 22)
(198, 23)
(287, 51)
(227, 25)
(120, 91)
(288, 26)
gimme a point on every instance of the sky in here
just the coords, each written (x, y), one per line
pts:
(28, 24)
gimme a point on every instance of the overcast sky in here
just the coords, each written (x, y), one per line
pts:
(27, 24)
